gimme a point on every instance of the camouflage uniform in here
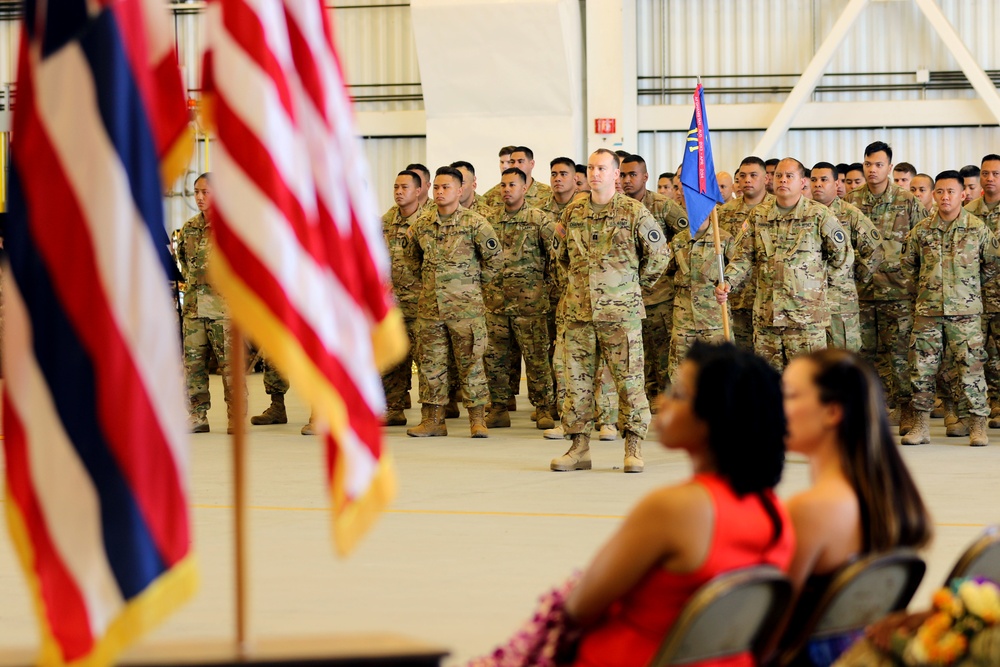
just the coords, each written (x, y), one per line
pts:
(608, 255)
(943, 260)
(206, 321)
(658, 299)
(459, 258)
(886, 304)
(521, 311)
(733, 218)
(865, 255)
(536, 197)
(792, 253)
(404, 261)
(991, 303)
(695, 269)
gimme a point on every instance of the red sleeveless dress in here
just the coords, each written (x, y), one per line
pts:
(635, 626)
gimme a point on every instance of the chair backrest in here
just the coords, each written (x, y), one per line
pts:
(981, 559)
(860, 593)
(731, 614)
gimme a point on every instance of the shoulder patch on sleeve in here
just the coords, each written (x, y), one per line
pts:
(654, 236)
(838, 236)
(492, 243)
(875, 235)
(682, 223)
(996, 242)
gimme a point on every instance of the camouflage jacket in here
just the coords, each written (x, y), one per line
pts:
(991, 287)
(792, 253)
(894, 213)
(526, 239)
(459, 260)
(193, 249)
(607, 258)
(673, 219)
(866, 240)
(535, 197)
(943, 261)
(695, 269)
(733, 218)
(404, 258)
(480, 206)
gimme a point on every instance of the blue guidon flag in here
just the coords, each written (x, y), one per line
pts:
(701, 187)
(94, 419)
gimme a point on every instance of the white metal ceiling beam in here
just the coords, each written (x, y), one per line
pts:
(810, 77)
(973, 71)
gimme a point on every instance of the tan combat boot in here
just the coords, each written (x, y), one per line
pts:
(576, 458)
(950, 416)
(451, 409)
(477, 422)
(498, 417)
(920, 434)
(906, 417)
(938, 412)
(432, 424)
(544, 420)
(977, 432)
(394, 417)
(633, 452)
(994, 417)
(958, 428)
(512, 404)
(274, 414)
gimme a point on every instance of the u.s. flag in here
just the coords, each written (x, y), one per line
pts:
(94, 416)
(299, 252)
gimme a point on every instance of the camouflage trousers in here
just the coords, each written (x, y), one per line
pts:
(741, 325)
(991, 334)
(274, 382)
(844, 332)
(885, 344)
(779, 345)
(532, 336)
(204, 337)
(396, 382)
(514, 367)
(656, 328)
(467, 338)
(605, 396)
(619, 345)
(962, 337)
(682, 340)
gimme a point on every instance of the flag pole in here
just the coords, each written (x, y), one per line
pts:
(239, 407)
(722, 272)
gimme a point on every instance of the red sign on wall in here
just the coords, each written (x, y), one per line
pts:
(604, 125)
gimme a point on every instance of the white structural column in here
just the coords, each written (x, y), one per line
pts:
(810, 77)
(973, 71)
(498, 73)
(612, 91)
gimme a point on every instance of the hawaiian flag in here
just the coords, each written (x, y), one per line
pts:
(299, 252)
(701, 186)
(93, 402)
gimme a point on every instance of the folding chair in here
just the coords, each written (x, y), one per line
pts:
(981, 559)
(859, 594)
(733, 613)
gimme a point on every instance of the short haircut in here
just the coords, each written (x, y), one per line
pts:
(799, 166)
(948, 174)
(516, 172)
(877, 146)
(806, 171)
(613, 154)
(450, 171)
(992, 157)
(412, 174)
(856, 166)
(564, 160)
(207, 176)
(581, 168)
(923, 175)
(524, 149)
(752, 160)
(634, 158)
(906, 168)
(462, 164)
(843, 168)
(506, 150)
(970, 171)
(772, 162)
(825, 165)
(666, 174)
(425, 172)
(622, 154)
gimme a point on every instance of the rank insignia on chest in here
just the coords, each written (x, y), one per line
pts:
(594, 236)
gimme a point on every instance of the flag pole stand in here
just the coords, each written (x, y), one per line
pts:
(238, 424)
(722, 272)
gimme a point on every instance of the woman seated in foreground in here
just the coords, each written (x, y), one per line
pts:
(862, 497)
(725, 413)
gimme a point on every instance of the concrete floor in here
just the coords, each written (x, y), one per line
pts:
(479, 529)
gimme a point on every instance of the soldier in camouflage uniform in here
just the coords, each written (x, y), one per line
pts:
(523, 158)
(792, 246)
(525, 235)
(206, 319)
(460, 257)
(610, 246)
(470, 200)
(986, 209)
(751, 180)
(943, 258)
(275, 386)
(695, 270)
(886, 303)
(659, 298)
(423, 197)
(864, 257)
(493, 194)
